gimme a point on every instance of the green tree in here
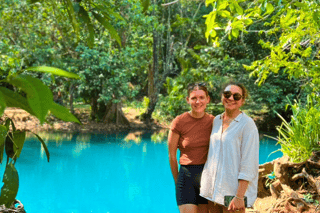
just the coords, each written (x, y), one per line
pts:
(172, 36)
(296, 24)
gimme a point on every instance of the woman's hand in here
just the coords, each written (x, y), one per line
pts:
(236, 204)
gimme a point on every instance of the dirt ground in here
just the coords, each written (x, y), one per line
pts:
(24, 121)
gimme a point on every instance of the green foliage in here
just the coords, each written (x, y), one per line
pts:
(18, 44)
(9, 145)
(3, 136)
(86, 12)
(103, 73)
(295, 24)
(12, 141)
(13, 99)
(203, 64)
(39, 96)
(309, 198)
(270, 179)
(18, 137)
(44, 146)
(276, 92)
(54, 71)
(62, 113)
(146, 102)
(32, 35)
(38, 102)
(10, 186)
(300, 137)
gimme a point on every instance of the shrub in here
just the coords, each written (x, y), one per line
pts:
(300, 137)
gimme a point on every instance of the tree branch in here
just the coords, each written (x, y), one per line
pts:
(170, 3)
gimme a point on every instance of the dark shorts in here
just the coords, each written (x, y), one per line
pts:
(188, 185)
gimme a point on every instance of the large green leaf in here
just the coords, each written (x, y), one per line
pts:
(13, 99)
(72, 15)
(44, 146)
(2, 104)
(7, 124)
(83, 14)
(54, 71)
(9, 145)
(108, 26)
(63, 113)
(108, 11)
(39, 96)
(18, 138)
(3, 135)
(270, 9)
(10, 187)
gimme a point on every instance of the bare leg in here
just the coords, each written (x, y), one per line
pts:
(203, 208)
(214, 208)
(188, 208)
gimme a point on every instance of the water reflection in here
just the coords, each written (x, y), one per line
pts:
(158, 136)
(79, 147)
(134, 136)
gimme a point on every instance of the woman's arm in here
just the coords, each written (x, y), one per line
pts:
(249, 164)
(237, 203)
(173, 140)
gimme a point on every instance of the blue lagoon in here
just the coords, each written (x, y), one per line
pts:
(101, 173)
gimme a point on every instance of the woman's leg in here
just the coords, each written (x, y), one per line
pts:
(214, 207)
(188, 208)
(191, 208)
(203, 208)
(185, 194)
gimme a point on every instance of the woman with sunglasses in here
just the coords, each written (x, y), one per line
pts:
(231, 170)
(190, 133)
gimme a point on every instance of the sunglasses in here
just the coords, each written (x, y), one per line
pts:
(193, 85)
(228, 94)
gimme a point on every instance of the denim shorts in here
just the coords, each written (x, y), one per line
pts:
(188, 185)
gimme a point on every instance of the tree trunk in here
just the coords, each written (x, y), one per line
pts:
(71, 98)
(152, 74)
(94, 107)
(155, 79)
(115, 115)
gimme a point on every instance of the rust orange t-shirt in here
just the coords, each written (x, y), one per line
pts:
(194, 137)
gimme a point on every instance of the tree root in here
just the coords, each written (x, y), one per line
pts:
(314, 183)
(293, 182)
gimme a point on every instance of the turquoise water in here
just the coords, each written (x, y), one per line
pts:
(101, 173)
(267, 146)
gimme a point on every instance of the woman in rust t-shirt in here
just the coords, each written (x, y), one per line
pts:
(190, 133)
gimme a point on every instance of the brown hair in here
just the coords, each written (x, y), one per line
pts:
(240, 85)
(197, 86)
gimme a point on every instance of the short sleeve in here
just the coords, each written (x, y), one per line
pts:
(175, 125)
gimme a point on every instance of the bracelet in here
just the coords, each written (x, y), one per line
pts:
(239, 197)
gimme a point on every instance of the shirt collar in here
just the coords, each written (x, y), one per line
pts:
(238, 118)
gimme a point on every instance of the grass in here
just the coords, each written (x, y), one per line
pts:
(300, 137)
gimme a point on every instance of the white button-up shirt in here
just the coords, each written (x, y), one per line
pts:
(233, 155)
